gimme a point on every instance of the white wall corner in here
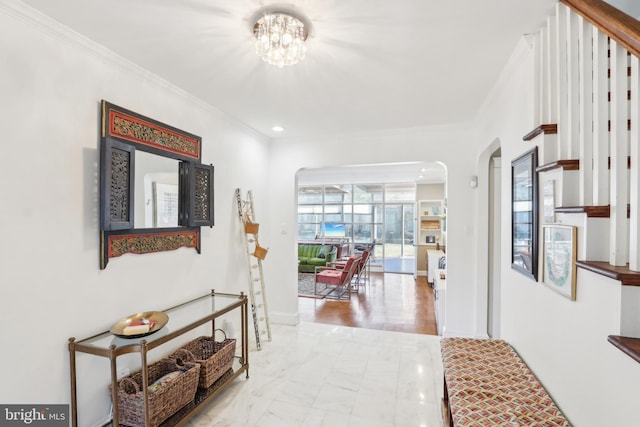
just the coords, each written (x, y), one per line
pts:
(292, 319)
(518, 56)
(529, 39)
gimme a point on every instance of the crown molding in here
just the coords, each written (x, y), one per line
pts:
(64, 34)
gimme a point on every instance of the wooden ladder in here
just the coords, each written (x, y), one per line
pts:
(255, 255)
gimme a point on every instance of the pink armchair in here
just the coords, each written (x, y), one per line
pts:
(338, 278)
(361, 274)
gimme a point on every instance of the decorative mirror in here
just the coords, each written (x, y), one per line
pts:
(155, 194)
(524, 214)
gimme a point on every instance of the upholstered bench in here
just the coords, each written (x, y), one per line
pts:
(486, 383)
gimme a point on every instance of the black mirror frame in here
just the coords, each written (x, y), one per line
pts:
(123, 132)
(525, 261)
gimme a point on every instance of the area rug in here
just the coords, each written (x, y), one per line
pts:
(306, 283)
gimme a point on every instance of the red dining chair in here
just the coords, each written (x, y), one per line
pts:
(338, 278)
(361, 274)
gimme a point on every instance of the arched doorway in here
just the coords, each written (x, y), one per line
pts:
(489, 238)
(495, 251)
(363, 204)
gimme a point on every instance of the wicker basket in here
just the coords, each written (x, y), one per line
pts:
(251, 227)
(260, 252)
(164, 402)
(214, 357)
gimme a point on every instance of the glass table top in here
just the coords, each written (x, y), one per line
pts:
(180, 317)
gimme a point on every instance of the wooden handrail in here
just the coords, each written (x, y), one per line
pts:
(622, 28)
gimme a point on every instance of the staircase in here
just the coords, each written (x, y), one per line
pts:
(587, 89)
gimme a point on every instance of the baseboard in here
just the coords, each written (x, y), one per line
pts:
(292, 319)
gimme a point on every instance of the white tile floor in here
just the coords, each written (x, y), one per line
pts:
(324, 375)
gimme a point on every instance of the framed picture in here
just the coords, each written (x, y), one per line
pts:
(524, 214)
(559, 259)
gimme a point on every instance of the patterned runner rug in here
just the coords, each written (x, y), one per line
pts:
(306, 286)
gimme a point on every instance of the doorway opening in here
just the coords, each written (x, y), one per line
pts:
(488, 268)
(399, 252)
(353, 217)
(368, 205)
(354, 206)
(494, 226)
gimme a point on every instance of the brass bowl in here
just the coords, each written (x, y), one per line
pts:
(159, 319)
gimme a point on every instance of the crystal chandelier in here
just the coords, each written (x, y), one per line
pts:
(280, 39)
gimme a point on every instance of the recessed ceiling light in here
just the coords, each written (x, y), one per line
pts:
(277, 128)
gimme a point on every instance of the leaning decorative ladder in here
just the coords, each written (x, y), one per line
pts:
(255, 255)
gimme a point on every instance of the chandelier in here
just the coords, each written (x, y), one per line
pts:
(280, 39)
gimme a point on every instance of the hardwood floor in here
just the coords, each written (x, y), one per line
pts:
(390, 302)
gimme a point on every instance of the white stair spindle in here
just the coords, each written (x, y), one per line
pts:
(600, 119)
(618, 238)
(634, 151)
(586, 112)
(551, 71)
(545, 96)
(573, 86)
(538, 104)
(562, 83)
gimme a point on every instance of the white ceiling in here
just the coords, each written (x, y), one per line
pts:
(418, 172)
(371, 64)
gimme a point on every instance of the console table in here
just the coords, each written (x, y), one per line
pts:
(182, 318)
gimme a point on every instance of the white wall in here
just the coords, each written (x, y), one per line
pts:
(51, 84)
(563, 341)
(444, 145)
(430, 192)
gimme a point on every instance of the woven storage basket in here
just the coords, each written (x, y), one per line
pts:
(260, 252)
(164, 402)
(214, 357)
(251, 227)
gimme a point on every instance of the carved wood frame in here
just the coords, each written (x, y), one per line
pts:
(122, 133)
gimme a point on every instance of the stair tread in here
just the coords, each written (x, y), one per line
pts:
(621, 273)
(591, 211)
